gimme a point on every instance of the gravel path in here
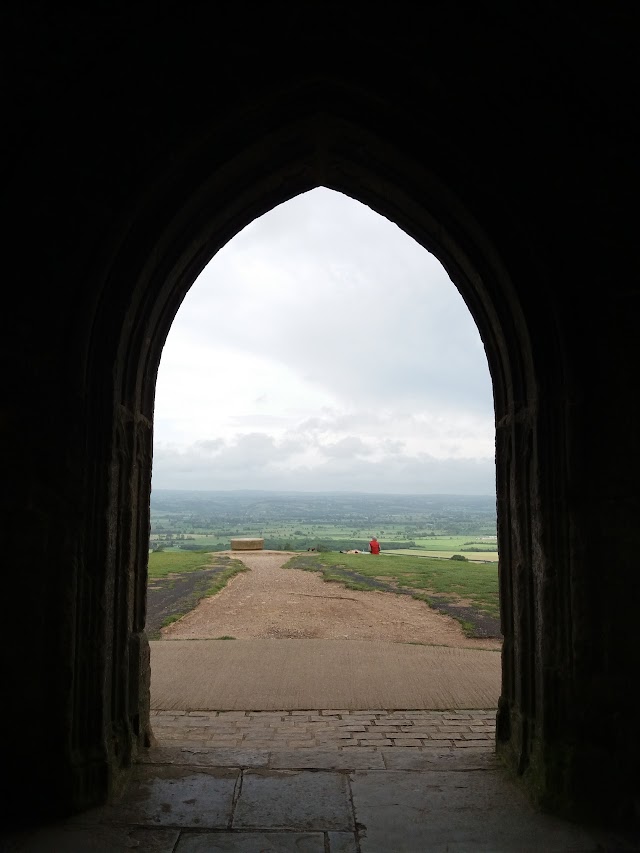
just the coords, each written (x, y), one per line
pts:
(270, 602)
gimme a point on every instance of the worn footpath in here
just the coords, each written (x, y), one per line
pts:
(270, 602)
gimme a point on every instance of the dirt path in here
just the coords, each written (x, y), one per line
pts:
(269, 602)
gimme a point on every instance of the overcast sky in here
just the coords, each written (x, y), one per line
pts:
(322, 349)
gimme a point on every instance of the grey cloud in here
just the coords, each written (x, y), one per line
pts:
(259, 420)
(392, 447)
(347, 301)
(210, 445)
(346, 448)
(362, 421)
(256, 448)
(258, 462)
(358, 307)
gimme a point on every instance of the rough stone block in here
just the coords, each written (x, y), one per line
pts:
(247, 544)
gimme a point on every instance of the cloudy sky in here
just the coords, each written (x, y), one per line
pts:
(322, 349)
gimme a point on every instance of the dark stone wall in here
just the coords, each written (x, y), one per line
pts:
(138, 140)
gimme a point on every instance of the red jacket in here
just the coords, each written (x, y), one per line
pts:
(374, 546)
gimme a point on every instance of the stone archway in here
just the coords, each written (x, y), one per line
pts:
(157, 272)
(137, 145)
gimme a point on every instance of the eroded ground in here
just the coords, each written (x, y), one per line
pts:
(270, 602)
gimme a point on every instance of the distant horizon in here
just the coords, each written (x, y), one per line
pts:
(331, 492)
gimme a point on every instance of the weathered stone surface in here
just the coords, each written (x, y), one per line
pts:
(353, 759)
(247, 544)
(294, 800)
(177, 796)
(256, 842)
(443, 812)
(342, 842)
(93, 839)
(399, 758)
(218, 756)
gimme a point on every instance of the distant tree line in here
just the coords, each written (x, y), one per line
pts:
(279, 544)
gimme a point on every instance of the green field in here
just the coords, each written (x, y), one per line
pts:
(483, 557)
(296, 538)
(163, 563)
(456, 580)
(457, 544)
(279, 535)
(294, 521)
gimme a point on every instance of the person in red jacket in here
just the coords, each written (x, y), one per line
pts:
(374, 546)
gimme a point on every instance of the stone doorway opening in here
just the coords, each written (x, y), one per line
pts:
(149, 273)
(276, 704)
(338, 253)
(127, 177)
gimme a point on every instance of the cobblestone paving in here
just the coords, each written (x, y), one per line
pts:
(329, 781)
(327, 729)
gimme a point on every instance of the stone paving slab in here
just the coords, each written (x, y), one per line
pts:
(342, 842)
(456, 813)
(178, 797)
(481, 758)
(294, 799)
(239, 782)
(352, 759)
(203, 756)
(463, 804)
(71, 838)
(254, 842)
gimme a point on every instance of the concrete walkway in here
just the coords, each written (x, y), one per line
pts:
(273, 675)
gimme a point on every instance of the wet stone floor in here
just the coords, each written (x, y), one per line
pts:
(194, 796)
